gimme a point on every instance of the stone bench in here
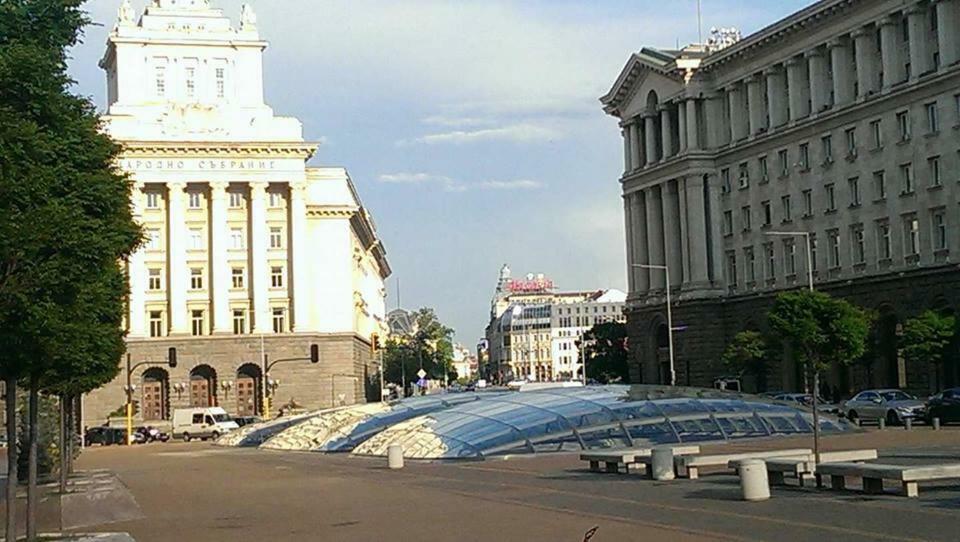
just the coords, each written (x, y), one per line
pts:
(612, 459)
(873, 475)
(689, 465)
(804, 468)
(679, 450)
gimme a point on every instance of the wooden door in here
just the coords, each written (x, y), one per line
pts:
(152, 403)
(246, 396)
(200, 392)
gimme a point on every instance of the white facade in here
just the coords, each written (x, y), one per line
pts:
(571, 320)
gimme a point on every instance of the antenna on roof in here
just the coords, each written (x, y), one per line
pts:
(699, 24)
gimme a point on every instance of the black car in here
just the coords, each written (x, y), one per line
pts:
(944, 405)
(105, 436)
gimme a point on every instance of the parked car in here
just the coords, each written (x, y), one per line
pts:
(104, 436)
(944, 405)
(806, 400)
(202, 423)
(246, 420)
(894, 406)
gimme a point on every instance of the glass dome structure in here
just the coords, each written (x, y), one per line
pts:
(585, 418)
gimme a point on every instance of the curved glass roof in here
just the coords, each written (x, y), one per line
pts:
(254, 434)
(585, 418)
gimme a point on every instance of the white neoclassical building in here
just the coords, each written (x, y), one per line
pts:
(249, 251)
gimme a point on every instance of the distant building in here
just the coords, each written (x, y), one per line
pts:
(464, 362)
(533, 330)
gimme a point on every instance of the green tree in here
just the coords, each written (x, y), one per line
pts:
(605, 349)
(427, 346)
(747, 354)
(926, 338)
(65, 223)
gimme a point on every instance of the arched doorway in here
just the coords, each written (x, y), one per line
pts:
(248, 390)
(155, 387)
(203, 386)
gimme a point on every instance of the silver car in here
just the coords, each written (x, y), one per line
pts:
(894, 406)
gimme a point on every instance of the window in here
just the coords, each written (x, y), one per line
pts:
(883, 240)
(787, 209)
(933, 118)
(813, 253)
(854, 184)
(911, 235)
(906, 178)
(750, 264)
(190, 80)
(826, 144)
(239, 322)
(745, 217)
(804, 161)
(156, 323)
(193, 200)
(276, 237)
(728, 222)
(764, 170)
(154, 281)
(196, 278)
(236, 200)
(789, 257)
(879, 185)
(153, 200)
(771, 257)
(939, 229)
(744, 175)
(725, 180)
(767, 213)
(877, 134)
(279, 320)
(160, 81)
(956, 106)
(276, 277)
(831, 197)
(833, 241)
(903, 125)
(783, 162)
(220, 76)
(859, 244)
(152, 241)
(933, 164)
(731, 269)
(808, 203)
(851, 136)
(276, 199)
(236, 277)
(196, 239)
(236, 239)
(196, 321)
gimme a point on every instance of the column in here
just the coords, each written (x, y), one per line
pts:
(671, 232)
(890, 52)
(655, 235)
(738, 113)
(641, 253)
(650, 133)
(776, 96)
(697, 235)
(798, 88)
(628, 231)
(137, 271)
(864, 48)
(921, 56)
(627, 166)
(819, 81)
(666, 122)
(636, 144)
(717, 131)
(682, 125)
(693, 125)
(260, 272)
(220, 274)
(715, 239)
(840, 61)
(300, 269)
(177, 276)
(948, 21)
(758, 114)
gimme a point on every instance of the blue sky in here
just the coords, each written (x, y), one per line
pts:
(471, 128)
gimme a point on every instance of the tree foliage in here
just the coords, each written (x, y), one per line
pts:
(605, 349)
(747, 353)
(821, 330)
(926, 337)
(428, 345)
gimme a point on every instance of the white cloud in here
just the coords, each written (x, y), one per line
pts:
(519, 184)
(448, 184)
(412, 178)
(456, 122)
(517, 133)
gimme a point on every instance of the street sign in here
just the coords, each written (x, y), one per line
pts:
(421, 373)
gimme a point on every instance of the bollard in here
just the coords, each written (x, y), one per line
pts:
(882, 423)
(395, 456)
(753, 480)
(908, 424)
(936, 424)
(661, 463)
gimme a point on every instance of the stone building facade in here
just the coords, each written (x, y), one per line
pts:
(249, 252)
(839, 123)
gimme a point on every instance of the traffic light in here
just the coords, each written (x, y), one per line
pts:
(172, 357)
(314, 353)
(374, 344)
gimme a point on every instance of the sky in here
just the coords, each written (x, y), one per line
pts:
(471, 129)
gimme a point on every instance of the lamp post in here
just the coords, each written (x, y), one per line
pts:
(171, 362)
(314, 357)
(666, 270)
(816, 371)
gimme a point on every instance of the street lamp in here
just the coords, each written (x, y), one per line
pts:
(314, 357)
(816, 371)
(171, 362)
(666, 270)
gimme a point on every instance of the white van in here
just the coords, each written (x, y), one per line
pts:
(202, 423)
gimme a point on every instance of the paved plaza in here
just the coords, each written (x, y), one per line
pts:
(200, 492)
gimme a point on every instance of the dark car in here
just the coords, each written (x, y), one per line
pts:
(944, 405)
(246, 420)
(105, 436)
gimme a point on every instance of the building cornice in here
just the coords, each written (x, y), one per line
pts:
(633, 73)
(304, 150)
(331, 211)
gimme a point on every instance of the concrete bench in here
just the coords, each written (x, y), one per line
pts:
(690, 465)
(612, 459)
(804, 468)
(679, 450)
(873, 475)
